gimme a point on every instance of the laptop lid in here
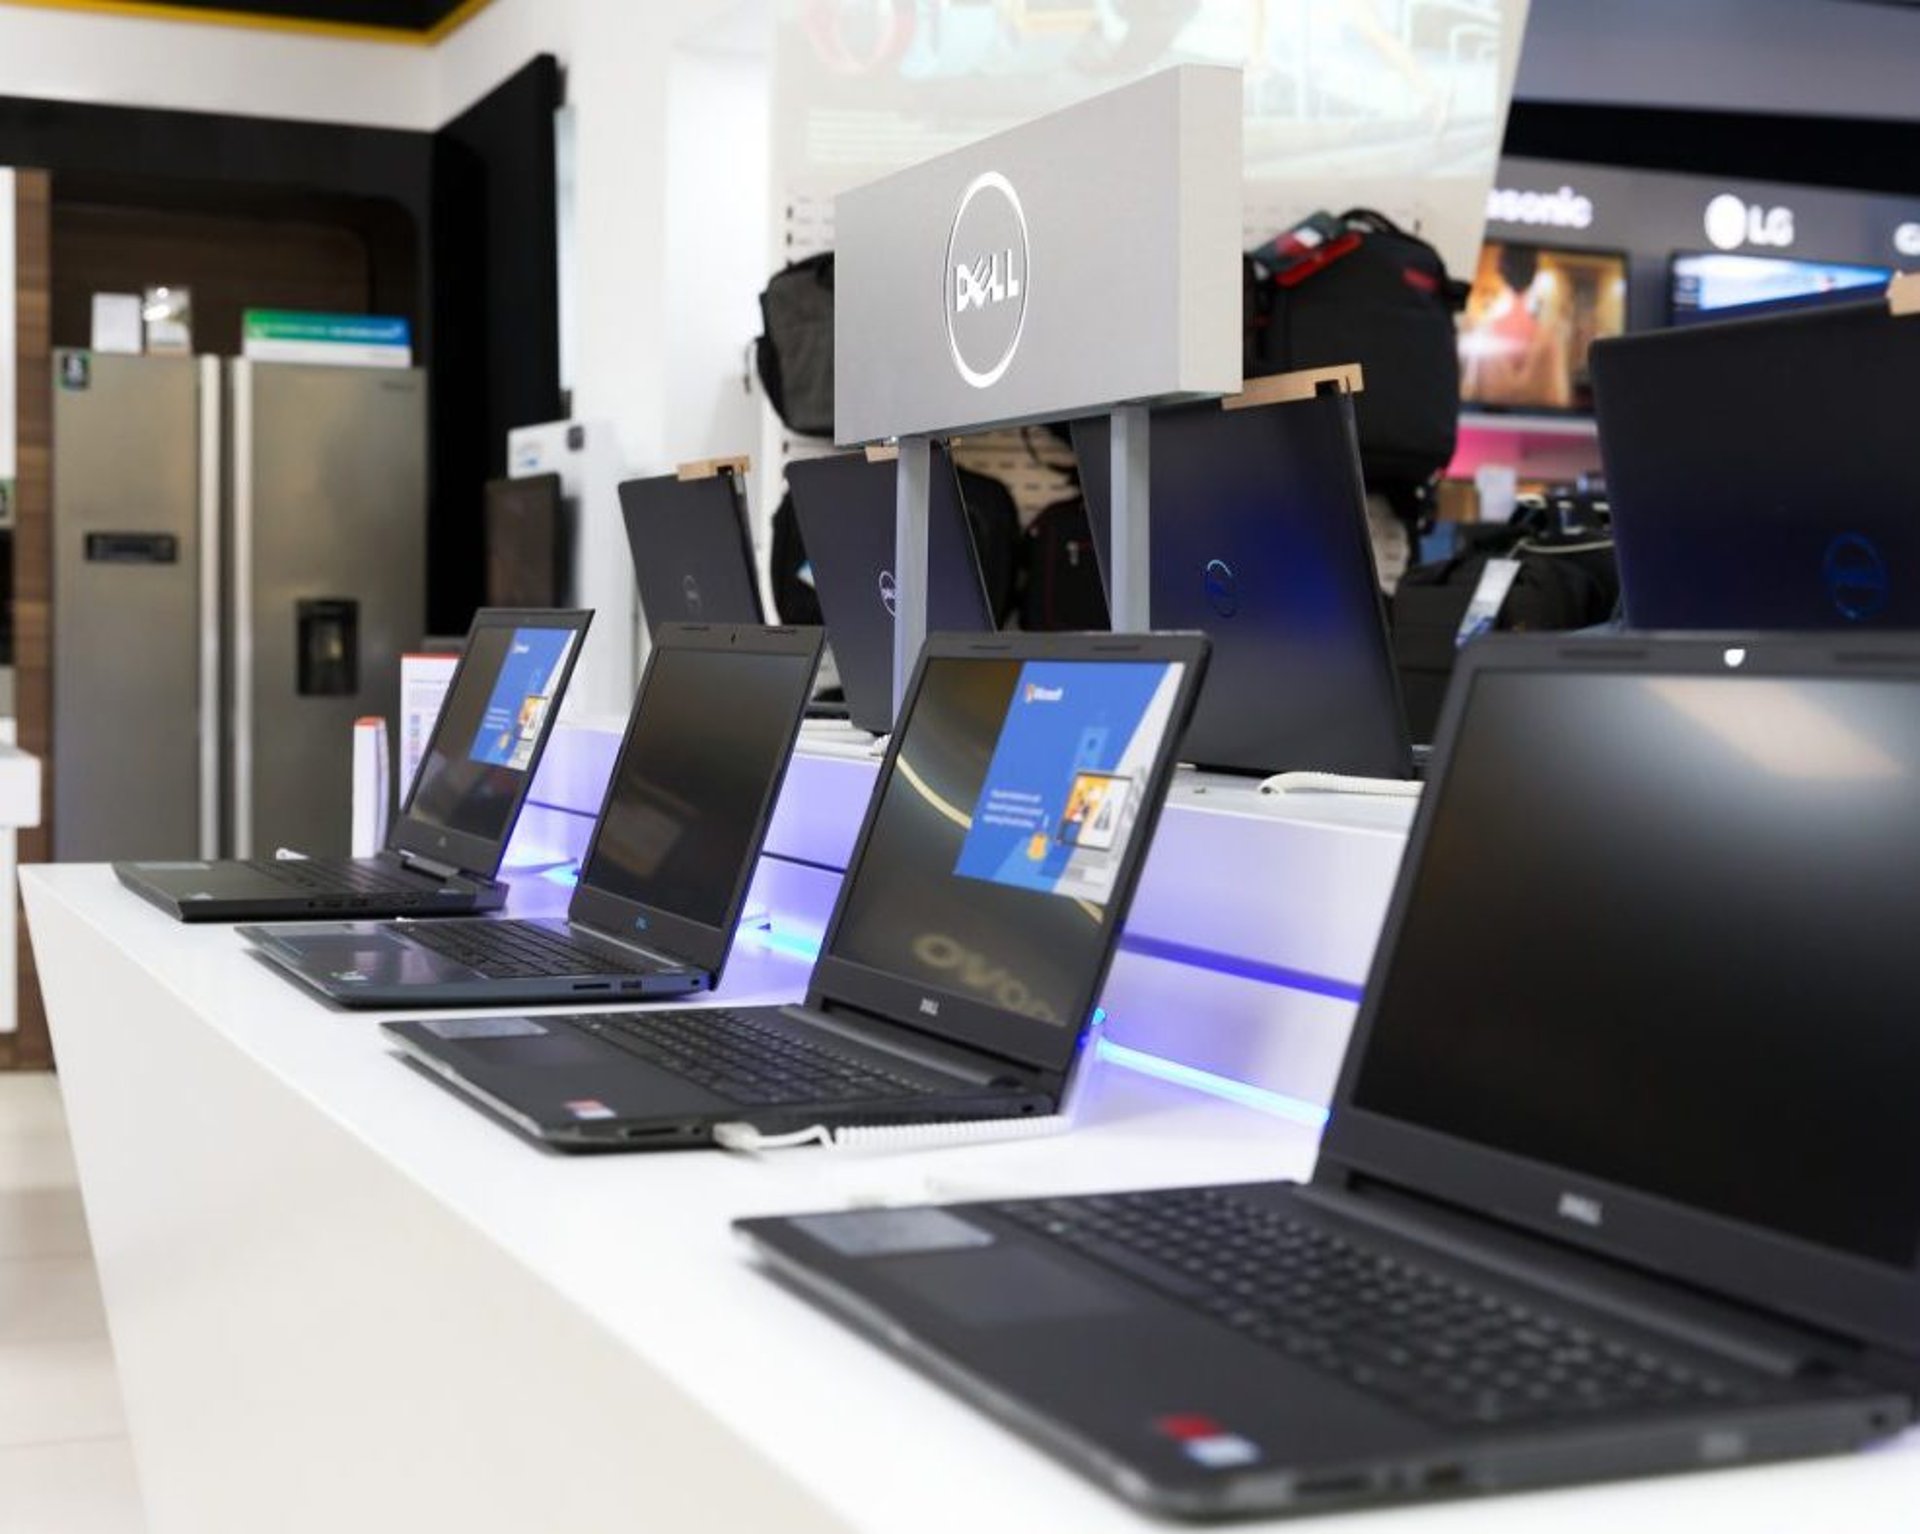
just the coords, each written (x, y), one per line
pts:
(692, 551)
(487, 743)
(1005, 835)
(526, 542)
(845, 506)
(1646, 982)
(694, 785)
(1763, 473)
(1259, 538)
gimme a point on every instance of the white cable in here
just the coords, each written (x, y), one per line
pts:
(1335, 783)
(744, 1137)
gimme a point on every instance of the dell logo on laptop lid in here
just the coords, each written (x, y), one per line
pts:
(1222, 587)
(691, 588)
(1857, 578)
(1582, 1210)
(889, 594)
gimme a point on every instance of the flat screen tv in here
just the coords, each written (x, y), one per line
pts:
(1533, 312)
(1712, 285)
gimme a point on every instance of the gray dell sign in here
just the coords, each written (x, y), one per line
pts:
(1088, 259)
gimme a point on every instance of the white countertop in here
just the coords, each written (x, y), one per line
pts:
(641, 1246)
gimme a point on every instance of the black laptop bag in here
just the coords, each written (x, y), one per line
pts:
(794, 352)
(1060, 588)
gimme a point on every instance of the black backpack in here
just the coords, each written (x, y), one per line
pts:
(1060, 573)
(794, 598)
(1386, 303)
(794, 352)
(1565, 581)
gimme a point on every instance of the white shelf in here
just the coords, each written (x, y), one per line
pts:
(1582, 426)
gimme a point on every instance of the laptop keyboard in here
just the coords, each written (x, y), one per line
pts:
(327, 876)
(511, 950)
(1420, 1337)
(745, 1060)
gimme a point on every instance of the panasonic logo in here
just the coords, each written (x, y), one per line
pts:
(1564, 209)
(1582, 1210)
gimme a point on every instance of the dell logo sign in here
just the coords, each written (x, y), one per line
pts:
(987, 280)
(1731, 223)
(1581, 1209)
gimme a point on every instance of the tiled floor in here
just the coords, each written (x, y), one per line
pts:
(65, 1466)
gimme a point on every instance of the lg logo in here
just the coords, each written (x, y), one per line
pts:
(987, 277)
(1731, 223)
(1906, 239)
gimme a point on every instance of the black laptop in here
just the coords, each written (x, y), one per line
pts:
(967, 948)
(445, 847)
(692, 551)
(1623, 1171)
(1764, 473)
(1258, 533)
(845, 506)
(665, 874)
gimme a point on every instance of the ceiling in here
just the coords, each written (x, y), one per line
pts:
(423, 20)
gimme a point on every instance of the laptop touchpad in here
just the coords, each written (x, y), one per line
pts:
(1006, 1286)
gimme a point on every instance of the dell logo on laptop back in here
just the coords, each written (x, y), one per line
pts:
(929, 1007)
(987, 277)
(889, 593)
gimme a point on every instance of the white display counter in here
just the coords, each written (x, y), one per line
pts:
(341, 1299)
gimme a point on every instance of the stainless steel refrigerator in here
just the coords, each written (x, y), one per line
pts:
(239, 563)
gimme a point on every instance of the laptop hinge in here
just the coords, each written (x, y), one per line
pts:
(1760, 1340)
(626, 944)
(418, 864)
(883, 1034)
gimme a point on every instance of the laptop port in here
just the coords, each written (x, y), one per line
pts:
(593, 985)
(633, 985)
(1349, 1484)
(1443, 1477)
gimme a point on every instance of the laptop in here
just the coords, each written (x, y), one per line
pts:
(692, 551)
(527, 542)
(665, 874)
(1259, 536)
(445, 847)
(967, 947)
(845, 506)
(1763, 472)
(1623, 1171)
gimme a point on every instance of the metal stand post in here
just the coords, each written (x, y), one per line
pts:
(912, 486)
(1132, 555)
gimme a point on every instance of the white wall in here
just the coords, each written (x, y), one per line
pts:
(77, 56)
(1820, 57)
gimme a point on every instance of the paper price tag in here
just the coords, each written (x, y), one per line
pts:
(1496, 580)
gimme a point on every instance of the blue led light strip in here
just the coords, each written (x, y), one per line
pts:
(1245, 969)
(1258, 1098)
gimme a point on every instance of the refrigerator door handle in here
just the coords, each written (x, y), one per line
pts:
(210, 710)
(241, 375)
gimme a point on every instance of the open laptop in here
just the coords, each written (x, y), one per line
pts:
(692, 551)
(445, 847)
(968, 945)
(845, 505)
(1623, 1171)
(1258, 533)
(1763, 473)
(527, 541)
(667, 869)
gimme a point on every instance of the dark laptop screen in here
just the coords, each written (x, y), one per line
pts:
(710, 738)
(1662, 933)
(490, 728)
(1005, 826)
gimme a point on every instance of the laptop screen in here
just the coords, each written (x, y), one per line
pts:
(1004, 829)
(488, 736)
(709, 739)
(1662, 934)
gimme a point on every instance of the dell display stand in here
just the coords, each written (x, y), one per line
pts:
(1021, 230)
